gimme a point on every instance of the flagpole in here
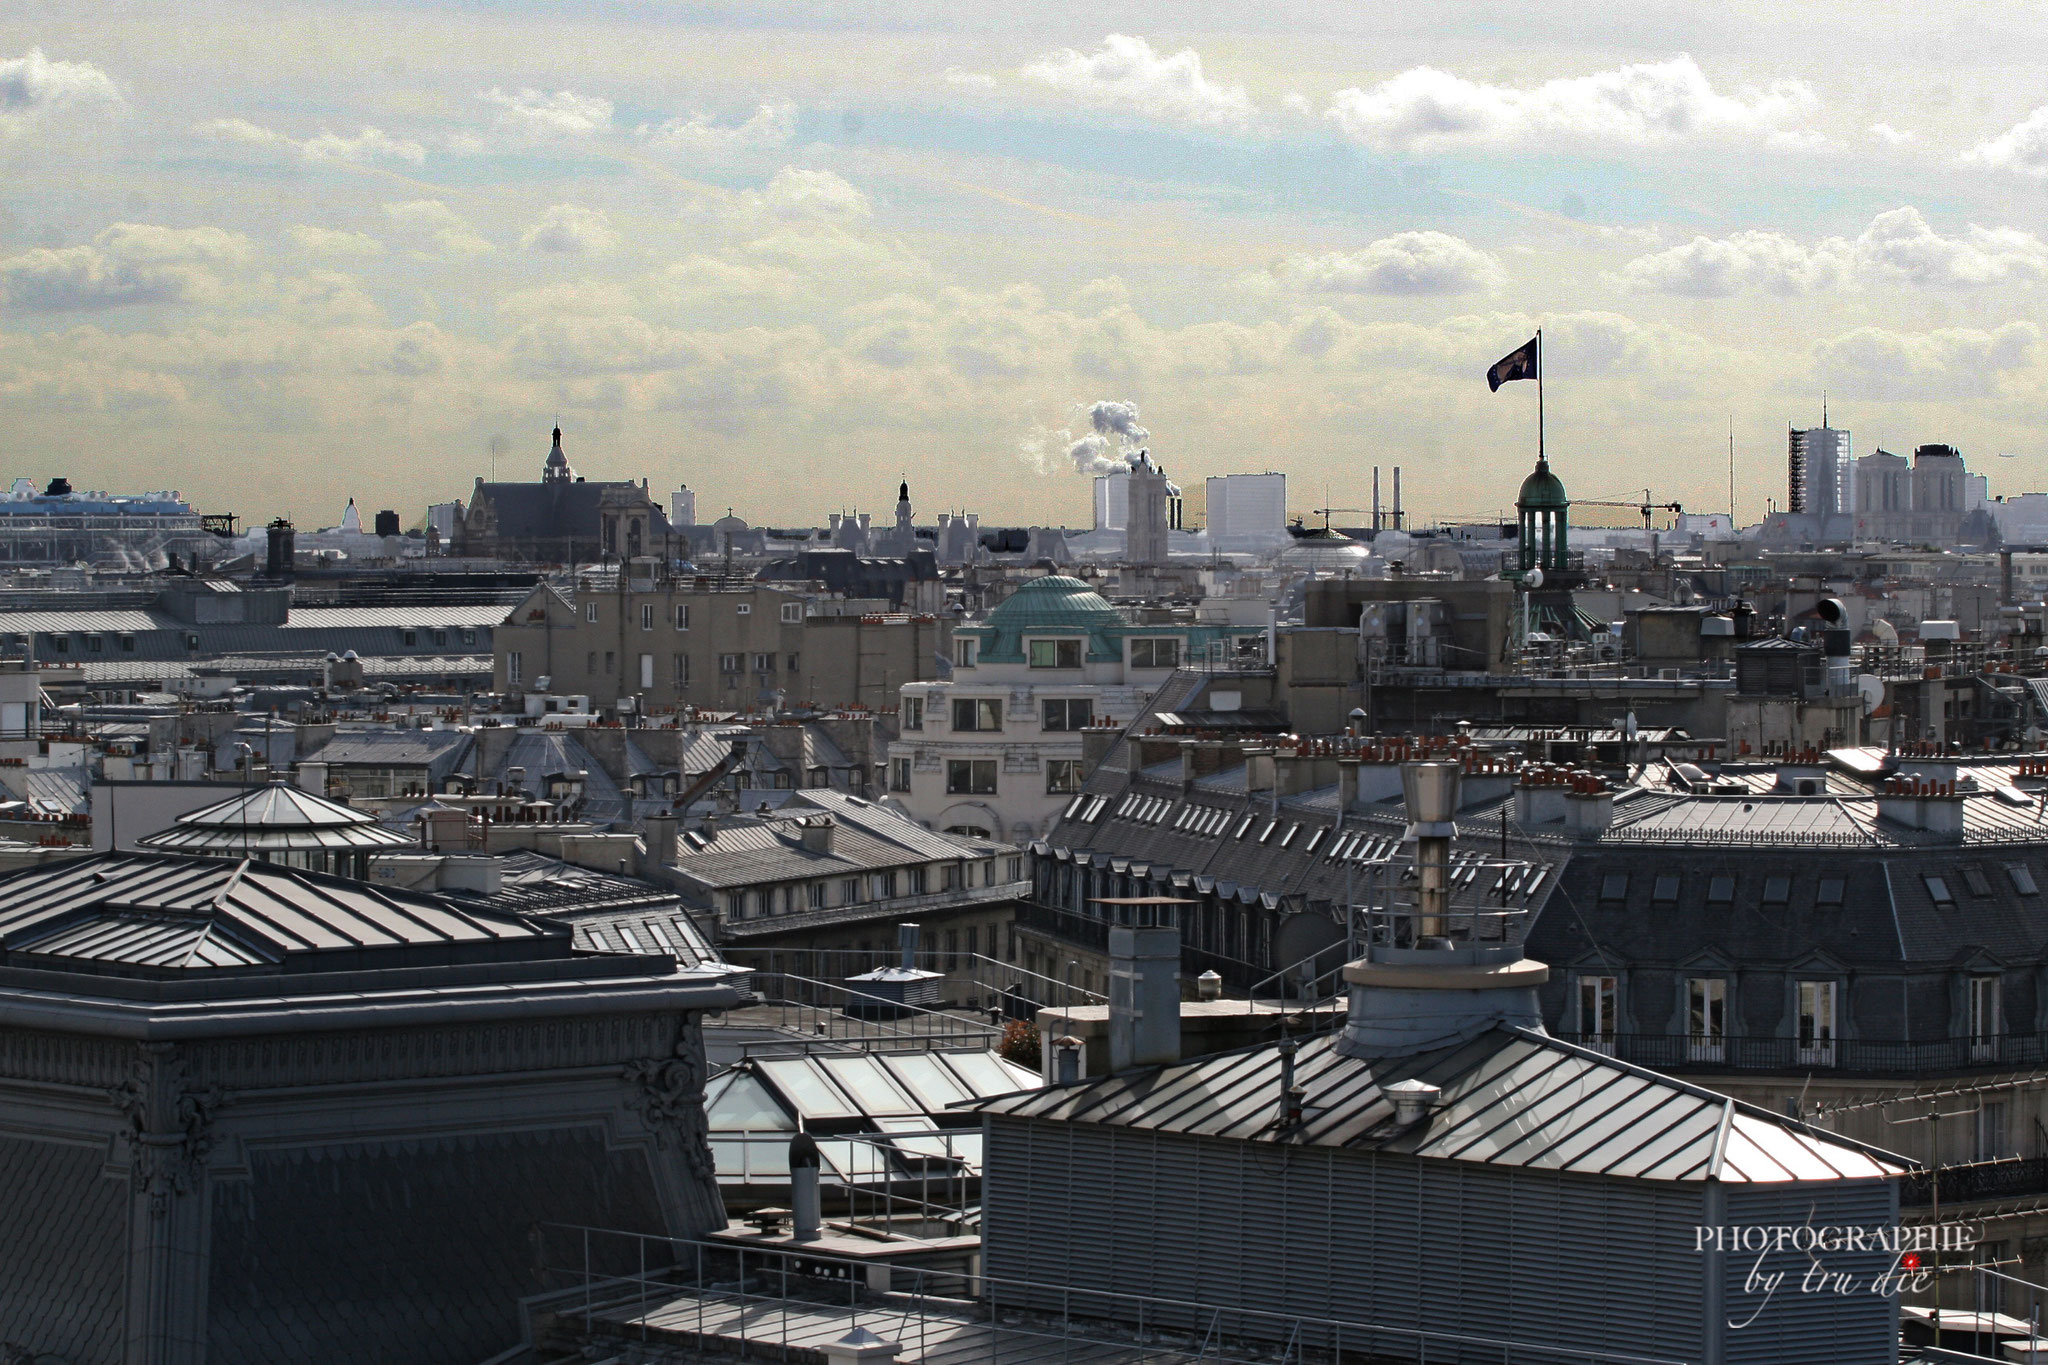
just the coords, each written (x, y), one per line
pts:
(1540, 457)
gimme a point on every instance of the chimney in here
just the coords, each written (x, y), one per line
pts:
(906, 946)
(816, 833)
(1397, 497)
(659, 837)
(1144, 995)
(1432, 792)
(1067, 1067)
(807, 1217)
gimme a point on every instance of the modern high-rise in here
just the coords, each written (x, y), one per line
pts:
(1820, 472)
(1247, 508)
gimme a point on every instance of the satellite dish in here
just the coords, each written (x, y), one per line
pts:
(1871, 687)
(1534, 578)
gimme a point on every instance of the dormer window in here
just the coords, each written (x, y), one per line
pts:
(1055, 653)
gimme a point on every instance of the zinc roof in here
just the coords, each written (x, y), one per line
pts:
(1509, 1096)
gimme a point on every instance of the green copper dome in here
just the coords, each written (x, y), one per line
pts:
(1054, 601)
(1542, 489)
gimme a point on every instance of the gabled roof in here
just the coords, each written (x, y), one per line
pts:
(1509, 1096)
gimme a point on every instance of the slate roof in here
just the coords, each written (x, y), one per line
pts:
(1509, 1096)
(273, 818)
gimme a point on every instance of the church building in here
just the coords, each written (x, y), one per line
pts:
(565, 519)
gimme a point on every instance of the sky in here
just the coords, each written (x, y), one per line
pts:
(279, 256)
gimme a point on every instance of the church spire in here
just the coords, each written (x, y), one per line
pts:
(557, 468)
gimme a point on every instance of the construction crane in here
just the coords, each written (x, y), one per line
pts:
(1649, 507)
(1324, 513)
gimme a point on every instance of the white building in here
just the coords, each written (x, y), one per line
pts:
(996, 751)
(1113, 500)
(682, 507)
(1247, 511)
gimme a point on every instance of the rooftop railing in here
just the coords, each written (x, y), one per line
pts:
(1688, 1053)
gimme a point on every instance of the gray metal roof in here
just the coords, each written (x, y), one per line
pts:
(1509, 1096)
(470, 615)
(144, 911)
(271, 818)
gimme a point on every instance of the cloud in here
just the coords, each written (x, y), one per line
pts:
(974, 80)
(1898, 248)
(1405, 263)
(1889, 135)
(127, 264)
(2022, 148)
(1641, 104)
(534, 113)
(1949, 363)
(320, 241)
(771, 125)
(371, 144)
(32, 87)
(571, 229)
(434, 223)
(804, 192)
(1125, 73)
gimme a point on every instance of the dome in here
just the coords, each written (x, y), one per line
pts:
(1054, 600)
(1326, 552)
(1542, 489)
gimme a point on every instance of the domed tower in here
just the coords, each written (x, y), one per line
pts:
(1544, 512)
(557, 468)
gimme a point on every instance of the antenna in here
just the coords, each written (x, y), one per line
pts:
(1823, 407)
(1731, 467)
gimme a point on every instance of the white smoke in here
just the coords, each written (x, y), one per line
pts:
(1113, 445)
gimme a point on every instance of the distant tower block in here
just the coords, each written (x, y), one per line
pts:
(682, 507)
(1145, 537)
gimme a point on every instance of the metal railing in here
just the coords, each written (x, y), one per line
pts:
(2005, 1178)
(975, 979)
(920, 1179)
(710, 1294)
(1691, 1052)
(817, 1011)
(950, 898)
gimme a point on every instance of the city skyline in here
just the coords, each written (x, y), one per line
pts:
(343, 252)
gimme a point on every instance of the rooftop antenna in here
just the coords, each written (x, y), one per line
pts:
(1731, 463)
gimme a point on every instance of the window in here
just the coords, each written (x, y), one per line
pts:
(963, 653)
(1720, 890)
(680, 668)
(849, 891)
(646, 670)
(468, 638)
(1614, 887)
(817, 895)
(1149, 652)
(882, 885)
(440, 637)
(128, 642)
(408, 637)
(1816, 1023)
(792, 613)
(682, 616)
(94, 644)
(514, 666)
(1055, 653)
(2022, 879)
(1992, 1143)
(611, 661)
(913, 713)
(1829, 893)
(1777, 890)
(1937, 888)
(1069, 713)
(1706, 1018)
(949, 879)
(970, 777)
(590, 662)
(590, 612)
(728, 663)
(1062, 776)
(62, 643)
(791, 662)
(1015, 869)
(764, 663)
(743, 609)
(977, 713)
(647, 616)
(1984, 1019)
(899, 774)
(1596, 1012)
(917, 881)
(1974, 878)
(1666, 890)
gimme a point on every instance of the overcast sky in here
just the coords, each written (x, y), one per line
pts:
(277, 256)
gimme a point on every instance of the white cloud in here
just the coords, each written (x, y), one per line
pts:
(535, 113)
(2022, 148)
(1898, 248)
(128, 263)
(1889, 135)
(771, 125)
(371, 144)
(33, 87)
(571, 229)
(1949, 363)
(1126, 72)
(433, 223)
(320, 241)
(1405, 263)
(1645, 103)
(976, 80)
(805, 192)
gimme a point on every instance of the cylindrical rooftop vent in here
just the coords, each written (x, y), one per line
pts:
(1412, 1100)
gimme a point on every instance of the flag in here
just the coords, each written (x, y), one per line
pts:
(1524, 362)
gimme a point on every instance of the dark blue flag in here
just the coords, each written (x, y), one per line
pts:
(1524, 362)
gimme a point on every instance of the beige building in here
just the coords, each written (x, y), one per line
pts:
(721, 644)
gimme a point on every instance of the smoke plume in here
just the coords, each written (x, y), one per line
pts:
(1113, 444)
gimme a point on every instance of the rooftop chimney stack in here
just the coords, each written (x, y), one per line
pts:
(906, 945)
(1144, 995)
